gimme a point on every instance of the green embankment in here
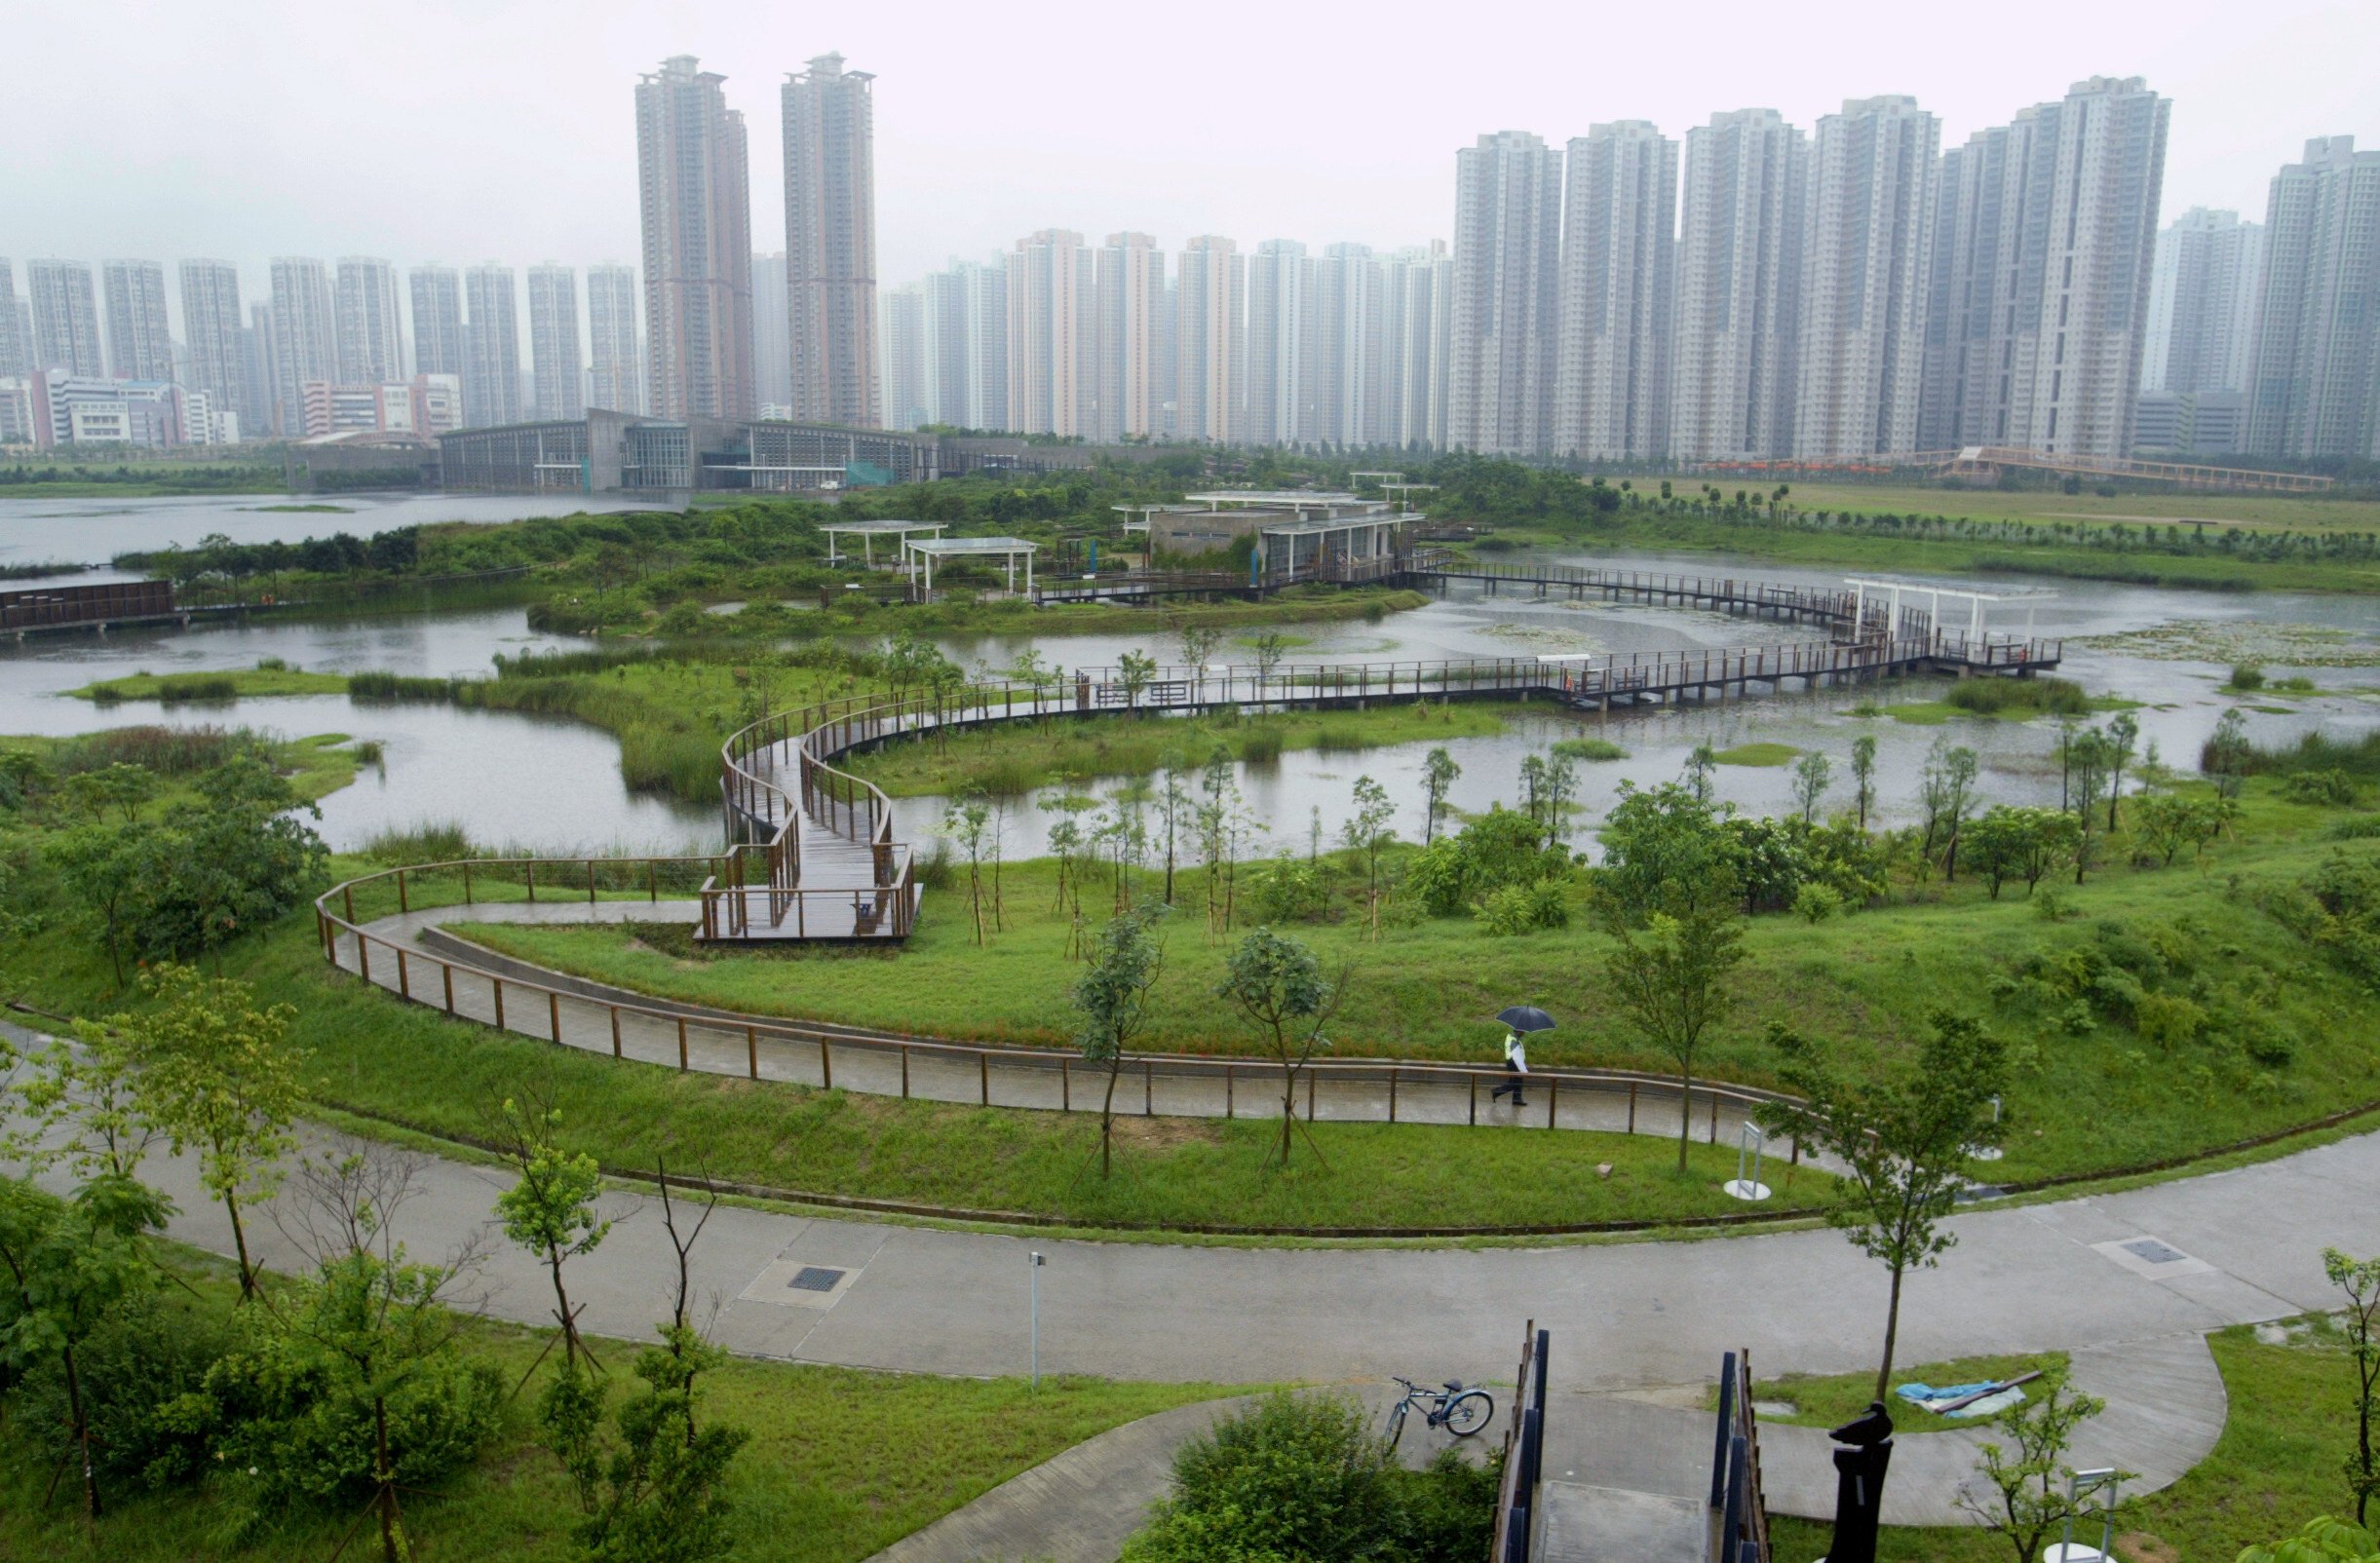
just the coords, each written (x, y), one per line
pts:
(241, 683)
(2247, 1030)
(2291, 1423)
(841, 1463)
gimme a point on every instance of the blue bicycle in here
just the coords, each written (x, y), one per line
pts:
(1461, 1411)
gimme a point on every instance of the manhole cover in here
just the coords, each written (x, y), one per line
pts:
(815, 1278)
(2153, 1251)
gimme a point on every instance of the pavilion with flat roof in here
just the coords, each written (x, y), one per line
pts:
(923, 554)
(1867, 590)
(868, 531)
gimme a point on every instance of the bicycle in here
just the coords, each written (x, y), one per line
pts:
(1461, 1411)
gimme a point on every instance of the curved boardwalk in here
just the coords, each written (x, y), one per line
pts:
(409, 955)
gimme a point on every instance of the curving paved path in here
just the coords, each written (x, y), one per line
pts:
(1627, 1319)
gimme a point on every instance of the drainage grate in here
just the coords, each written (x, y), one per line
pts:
(815, 1278)
(2153, 1251)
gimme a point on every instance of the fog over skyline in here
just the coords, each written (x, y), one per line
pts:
(499, 131)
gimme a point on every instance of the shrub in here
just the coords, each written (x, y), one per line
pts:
(382, 686)
(131, 1367)
(428, 841)
(684, 619)
(1260, 746)
(2245, 677)
(1588, 749)
(175, 689)
(1815, 903)
(1525, 909)
(1290, 890)
(2060, 697)
(2332, 787)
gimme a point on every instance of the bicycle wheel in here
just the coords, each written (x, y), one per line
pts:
(1466, 1413)
(1396, 1423)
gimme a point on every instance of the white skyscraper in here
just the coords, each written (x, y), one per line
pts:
(260, 374)
(491, 361)
(694, 185)
(1051, 326)
(438, 320)
(1736, 312)
(1870, 213)
(305, 338)
(617, 378)
(139, 344)
(830, 242)
(1611, 398)
(13, 349)
(1347, 327)
(1131, 281)
(372, 331)
(1507, 214)
(1281, 287)
(966, 344)
(554, 342)
(2315, 394)
(772, 331)
(906, 376)
(1416, 294)
(211, 329)
(66, 318)
(1209, 338)
(2203, 304)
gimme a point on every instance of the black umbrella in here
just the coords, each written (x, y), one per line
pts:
(1525, 1017)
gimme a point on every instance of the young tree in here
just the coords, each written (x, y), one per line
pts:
(550, 1209)
(220, 1074)
(969, 823)
(1112, 996)
(2090, 762)
(1904, 1136)
(2359, 1280)
(1198, 643)
(2226, 755)
(243, 857)
(1702, 764)
(1280, 988)
(1663, 848)
(1271, 646)
(1218, 801)
(2122, 733)
(1557, 786)
(2324, 1541)
(2025, 1494)
(1367, 829)
(1438, 773)
(1863, 774)
(1175, 809)
(1135, 670)
(1670, 980)
(371, 1323)
(1812, 774)
(1946, 788)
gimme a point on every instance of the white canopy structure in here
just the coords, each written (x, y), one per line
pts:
(868, 531)
(1979, 604)
(924, 552)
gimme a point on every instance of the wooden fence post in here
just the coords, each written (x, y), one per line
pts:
(825, 1063)
(681, 1044)
(615, 1031)
(499, 982)
(553, 1016)
(1392, 1093)
(446, 973)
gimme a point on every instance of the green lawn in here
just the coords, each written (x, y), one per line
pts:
(842, 1464)
(2276, 1466)
(1766, 755)
(1831, 1400)
(1869, 979)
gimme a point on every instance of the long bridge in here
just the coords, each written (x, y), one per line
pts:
(813, 853)
(104, 605)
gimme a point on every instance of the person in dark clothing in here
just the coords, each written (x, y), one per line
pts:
(1517, 1065)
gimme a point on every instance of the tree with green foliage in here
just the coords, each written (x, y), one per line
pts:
(550, 1208)
(2324, 1541)
(2024, 1495)
(1367, 829)
(1863, 774)
(1113, 998)
(1438, 773)
(2227, 754)
(110, 872)
(1946, 789)
(219, 1075)
(2017, 842)
(1812, 772)
(1665, 846)
(1175, 808)
(124, 790)
(1904, 1136)
(1280, 988)
(2359, 1280)
(1702, 766)
(1271, 646)
(1669, 978)
(2091, 763)
(65, 1265)
(1198, 643)
(1135, 670)
(241, 857)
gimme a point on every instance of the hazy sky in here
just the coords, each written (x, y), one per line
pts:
(494, 130)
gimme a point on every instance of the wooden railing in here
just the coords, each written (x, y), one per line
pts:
(1739, 1511)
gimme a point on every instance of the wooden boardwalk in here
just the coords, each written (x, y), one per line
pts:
(813, 855)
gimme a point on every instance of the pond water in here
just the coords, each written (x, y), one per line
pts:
(553, 785)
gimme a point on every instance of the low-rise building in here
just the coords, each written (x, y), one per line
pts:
(609, 451)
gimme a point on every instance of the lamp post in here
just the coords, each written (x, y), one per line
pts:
(1038, 1262)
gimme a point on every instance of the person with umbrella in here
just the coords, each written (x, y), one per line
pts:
(1520, 1020)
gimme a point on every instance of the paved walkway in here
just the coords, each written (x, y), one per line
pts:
(712, 1041)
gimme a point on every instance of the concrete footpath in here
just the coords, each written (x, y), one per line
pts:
(2124, 1281)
